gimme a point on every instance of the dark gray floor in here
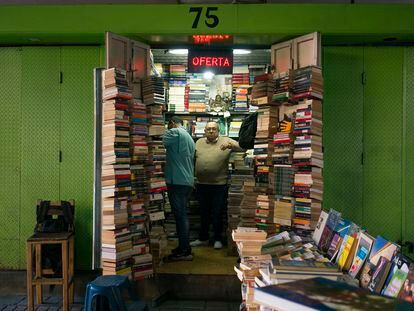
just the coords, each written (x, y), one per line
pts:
(54, 303)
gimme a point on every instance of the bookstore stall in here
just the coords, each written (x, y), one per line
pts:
(275, 221)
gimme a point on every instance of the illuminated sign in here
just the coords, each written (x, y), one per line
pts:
(207, 39)
(217, 61)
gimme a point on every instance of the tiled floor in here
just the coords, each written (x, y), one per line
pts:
(52, 303)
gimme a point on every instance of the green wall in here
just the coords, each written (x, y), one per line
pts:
(368, 120)
(42, 116)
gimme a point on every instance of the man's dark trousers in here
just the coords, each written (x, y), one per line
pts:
(212, 200)
(179, 196)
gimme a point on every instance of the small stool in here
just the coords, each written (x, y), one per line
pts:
(110, 287)
(34, 247)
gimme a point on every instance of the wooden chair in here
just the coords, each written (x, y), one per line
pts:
(36, 275)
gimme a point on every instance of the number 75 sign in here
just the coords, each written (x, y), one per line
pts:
(206, 15)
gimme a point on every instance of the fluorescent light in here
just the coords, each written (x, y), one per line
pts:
(208, 75)
(178, 51)
(241, 52)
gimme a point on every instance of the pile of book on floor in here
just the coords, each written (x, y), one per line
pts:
(306, 82)
(138, 216)
(176, 88)
(116, 173)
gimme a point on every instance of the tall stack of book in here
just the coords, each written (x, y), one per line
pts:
(176, 88)
(197, 94)
(262, 90)
(241, 85)
(308, 159)
(153, 89)
(248, 203)
(116, 173)
(138, 217)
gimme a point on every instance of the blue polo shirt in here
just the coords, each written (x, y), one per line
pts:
(179, 169)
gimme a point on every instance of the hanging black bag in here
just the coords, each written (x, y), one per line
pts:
(247, 132)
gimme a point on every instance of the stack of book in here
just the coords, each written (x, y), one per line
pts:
(241, 85)
(267, 122)
(234, 127)
(138, 217)
(306, 82)
(249, 243)
(308, 159)
(281, 86)
(197, 94)
(283, 148)
(248, 203)
(265, 213)
(176, 88)
(116, 173)
(153, 88)
(283, 212)
(239, 172)
(262, 90)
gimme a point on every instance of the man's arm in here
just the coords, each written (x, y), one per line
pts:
(233, 145)
(170, 137)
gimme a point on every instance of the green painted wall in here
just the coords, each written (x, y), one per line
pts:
(374, 119)
(42, 117)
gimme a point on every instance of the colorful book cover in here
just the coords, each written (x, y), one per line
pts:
(379, 275)
(397, 276)
(407, 290)
(347, 245)
(362, 251)
(381, 247)
(333, 218)
(341, 231)
(320, 226)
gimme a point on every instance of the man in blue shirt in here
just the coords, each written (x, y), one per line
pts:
(179, 175)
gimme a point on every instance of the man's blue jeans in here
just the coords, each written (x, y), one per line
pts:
(179, 196)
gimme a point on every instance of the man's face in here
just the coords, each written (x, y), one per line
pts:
(211, 131)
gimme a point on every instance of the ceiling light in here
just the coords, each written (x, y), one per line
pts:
(178, 51)
(241, 52)
(208, 75)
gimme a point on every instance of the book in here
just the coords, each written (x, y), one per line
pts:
(363, 248)
(323, 294)
(397, 276)
(320, 227)
(407, 292)
(380, 274)
(381, 247)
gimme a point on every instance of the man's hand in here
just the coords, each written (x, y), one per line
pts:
(229, 145)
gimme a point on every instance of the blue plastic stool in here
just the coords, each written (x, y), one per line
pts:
(110, 286)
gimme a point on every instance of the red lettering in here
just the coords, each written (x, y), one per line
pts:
(202, 60)
(214, 61)
(196, 61)
(208, 61)
(226, 62)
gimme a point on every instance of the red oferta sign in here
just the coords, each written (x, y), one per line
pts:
(217, 61)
